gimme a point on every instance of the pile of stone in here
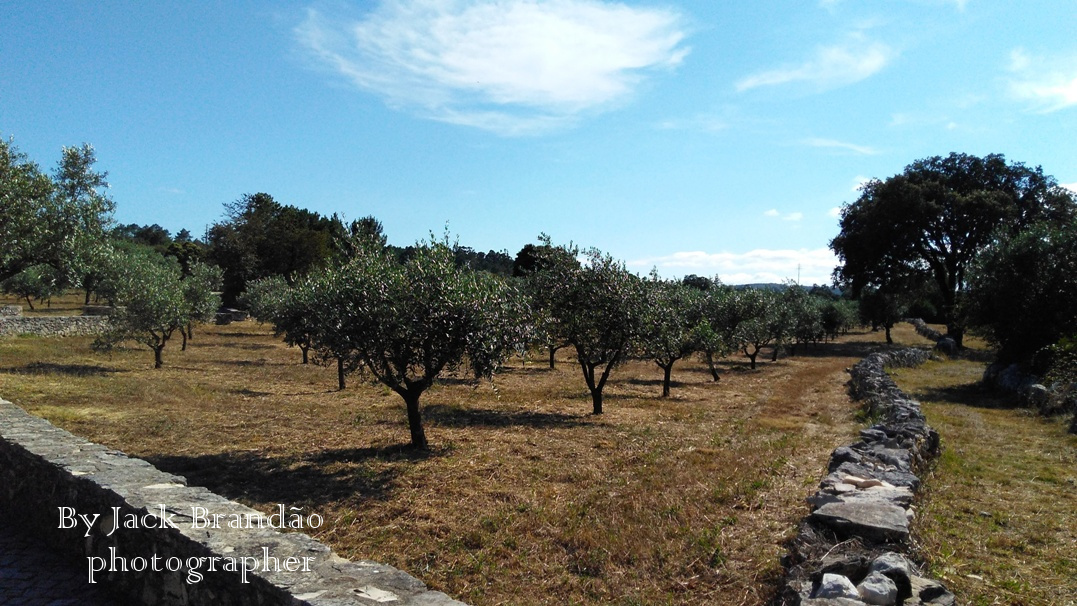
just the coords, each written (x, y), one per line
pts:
(942, 343)
(227, 315)
(10, 310)
(849, 550)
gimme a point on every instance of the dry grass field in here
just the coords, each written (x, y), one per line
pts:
(525, 498)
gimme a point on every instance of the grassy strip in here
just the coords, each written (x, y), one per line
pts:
(998, 522)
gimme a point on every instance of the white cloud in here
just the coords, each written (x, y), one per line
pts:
(786, 217)
(842, 145)
(1049, 84)
(508, 66)
(830, 67)
(834, 212)
(1070, 186)
(859, 181)
(761, 265)
(700, 123)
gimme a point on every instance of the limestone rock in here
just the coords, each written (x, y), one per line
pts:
(926, 592)
(878, 589)
(870, 519)
(836, 586)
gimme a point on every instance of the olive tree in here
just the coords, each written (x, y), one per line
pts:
(406, 322)
(199, 293)
(59, 220)
(149, 294)
(542, 267)
(671, 315)
(598, 308)
(721, 312)
(760, 324)
(287, 308)
(37, 282)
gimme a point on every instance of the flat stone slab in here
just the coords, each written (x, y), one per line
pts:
(873, 520)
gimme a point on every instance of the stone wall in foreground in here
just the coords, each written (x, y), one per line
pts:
(56, 326)
(853, 548)
(148, 535)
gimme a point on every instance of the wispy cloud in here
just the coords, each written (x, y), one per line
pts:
(863, 150)
(859, 181)
(761, 265)
(1049, 84)
(831, 66)
(700, 123)
(834, 212)
(830, 5)
(786, 217)
(510, 66)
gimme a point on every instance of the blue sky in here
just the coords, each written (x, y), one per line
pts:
(705, 137)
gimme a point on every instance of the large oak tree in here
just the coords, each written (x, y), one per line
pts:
(930, 221)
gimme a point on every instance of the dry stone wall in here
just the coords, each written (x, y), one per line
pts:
(58, 326)
(149, 536)
(852, 549)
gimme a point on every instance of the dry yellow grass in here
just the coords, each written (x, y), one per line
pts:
(998, 522)
(524, 499)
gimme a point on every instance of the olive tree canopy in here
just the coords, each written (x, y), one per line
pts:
(59, 220)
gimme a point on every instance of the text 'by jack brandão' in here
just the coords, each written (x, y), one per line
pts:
(200, 518)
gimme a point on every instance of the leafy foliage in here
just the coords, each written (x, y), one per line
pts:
(58, 221)
(151, 304)
(1022, 291)
(262, 237)
(671, 313)
(37, 282)
(929, 222)
(597, 307)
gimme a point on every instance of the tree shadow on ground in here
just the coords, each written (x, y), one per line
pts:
(249, 363)
(341, 475)
(846, 349)
(240, 334)
(250, 393)
(984, 356)
(74, 370)
(673, 384)
(449, 415)
(465, 381)
(253, 346)
(971, 394)
(539, 368)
